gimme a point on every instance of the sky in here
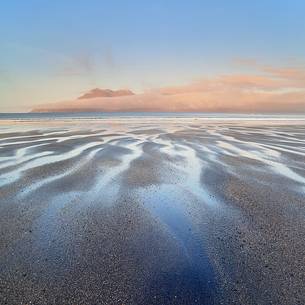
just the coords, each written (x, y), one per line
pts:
(52, 51)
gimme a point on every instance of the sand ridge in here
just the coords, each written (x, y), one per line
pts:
(172, 211)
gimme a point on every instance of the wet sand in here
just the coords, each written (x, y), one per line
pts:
(152, 211)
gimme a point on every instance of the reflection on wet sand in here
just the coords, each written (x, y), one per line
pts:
(152, 212)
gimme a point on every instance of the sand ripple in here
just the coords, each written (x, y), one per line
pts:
(139, 197)
(52, 155)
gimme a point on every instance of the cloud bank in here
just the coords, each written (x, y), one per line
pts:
(271, 89)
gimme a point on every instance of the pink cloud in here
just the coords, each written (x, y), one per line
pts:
(271, 90)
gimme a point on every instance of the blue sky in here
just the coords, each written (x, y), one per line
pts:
(52, 50)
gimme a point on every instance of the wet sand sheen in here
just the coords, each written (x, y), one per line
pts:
(152, 212)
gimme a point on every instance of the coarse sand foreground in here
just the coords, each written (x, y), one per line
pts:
(138, 211)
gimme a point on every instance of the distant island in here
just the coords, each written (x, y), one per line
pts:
(105, 93)
(94, 100)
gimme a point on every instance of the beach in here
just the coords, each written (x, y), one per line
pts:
(152, 211)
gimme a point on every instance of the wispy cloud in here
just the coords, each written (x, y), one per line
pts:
(79, 64)
(269, 78)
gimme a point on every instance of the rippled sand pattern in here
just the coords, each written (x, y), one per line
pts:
(143, 211)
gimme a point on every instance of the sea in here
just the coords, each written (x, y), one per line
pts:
(108, 115)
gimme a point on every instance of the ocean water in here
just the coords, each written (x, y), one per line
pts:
(107, 115)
